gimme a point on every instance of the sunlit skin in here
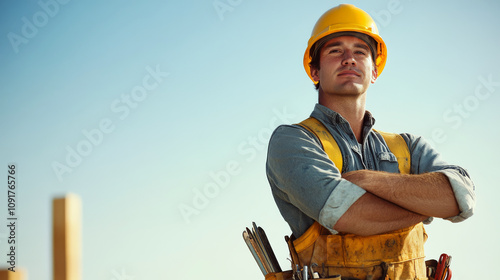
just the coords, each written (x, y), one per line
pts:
(345, 73)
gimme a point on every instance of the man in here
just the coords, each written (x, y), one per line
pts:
(368, 203)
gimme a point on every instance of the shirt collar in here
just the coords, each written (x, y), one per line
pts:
(333, 118)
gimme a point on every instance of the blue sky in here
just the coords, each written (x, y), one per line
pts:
(150, 108)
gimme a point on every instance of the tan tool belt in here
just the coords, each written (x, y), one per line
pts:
(397, 254)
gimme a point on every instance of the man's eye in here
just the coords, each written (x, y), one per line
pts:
(361, 52)
(334, 51)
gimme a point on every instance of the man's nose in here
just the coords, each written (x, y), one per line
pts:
(348, 59)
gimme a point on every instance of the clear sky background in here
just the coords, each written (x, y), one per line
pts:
(157, 114)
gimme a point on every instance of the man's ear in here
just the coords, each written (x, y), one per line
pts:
(315, 74)
(374, 75)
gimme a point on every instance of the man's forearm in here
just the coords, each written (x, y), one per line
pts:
(428, 194)
(371, 215)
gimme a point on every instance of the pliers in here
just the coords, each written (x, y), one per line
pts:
(443, 271)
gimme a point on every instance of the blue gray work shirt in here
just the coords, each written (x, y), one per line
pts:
(307, 186)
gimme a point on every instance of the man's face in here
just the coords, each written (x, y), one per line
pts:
(346, 67)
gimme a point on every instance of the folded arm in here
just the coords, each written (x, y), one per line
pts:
(428, 194)
(433, 189)
(371, 215)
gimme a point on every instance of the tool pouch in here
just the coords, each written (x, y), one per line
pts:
(442, 268)
(398, 254)
(431, 266)
(288, 275)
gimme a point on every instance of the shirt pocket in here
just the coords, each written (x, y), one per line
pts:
(388, 162)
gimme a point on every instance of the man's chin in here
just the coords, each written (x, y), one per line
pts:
(350, 89)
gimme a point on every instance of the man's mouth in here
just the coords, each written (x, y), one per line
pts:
(347, 73)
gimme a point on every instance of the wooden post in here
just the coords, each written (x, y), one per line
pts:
(67, 249)
(5, 274)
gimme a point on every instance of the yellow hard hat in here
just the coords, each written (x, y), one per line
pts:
(342, 18)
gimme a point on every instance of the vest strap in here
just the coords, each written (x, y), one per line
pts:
(399, 148)
(329, 144)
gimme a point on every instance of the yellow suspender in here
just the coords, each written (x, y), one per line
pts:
(399, 148)
(395, 142)
(329, 144)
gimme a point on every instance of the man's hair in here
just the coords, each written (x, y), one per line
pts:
(315, 51)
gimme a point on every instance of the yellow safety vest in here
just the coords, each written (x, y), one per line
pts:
(394, 255)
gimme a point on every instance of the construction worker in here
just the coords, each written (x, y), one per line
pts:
(358, 212)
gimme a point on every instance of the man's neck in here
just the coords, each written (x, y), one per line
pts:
(351, 108)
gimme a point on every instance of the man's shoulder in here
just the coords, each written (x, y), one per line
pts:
(290, 130)
(408, 137)
(413, 139)
(291, 136)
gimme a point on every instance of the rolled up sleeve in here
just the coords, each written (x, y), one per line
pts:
(341, 198)
(463, 188)
(426, 159)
